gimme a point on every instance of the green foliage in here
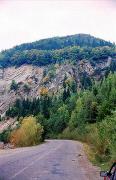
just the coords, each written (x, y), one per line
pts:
(88, 115)
(89, 106)
(73, 86)
(85, 81)
(107, 136)
(43, 121)
(23, 108)
(26, 88)
(51, 72)
(74, 120)
(14, 85)
(94, 120)
(61, 42)
(71, 102)
(59, 120)
(52, 50)
(5, 135)
(102, 137)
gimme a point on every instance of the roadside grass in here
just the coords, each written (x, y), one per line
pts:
(91, 155)
(99, 141)
(90, 150)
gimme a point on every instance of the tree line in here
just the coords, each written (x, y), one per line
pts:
(52, 50)
(87, 115)
(69, 108)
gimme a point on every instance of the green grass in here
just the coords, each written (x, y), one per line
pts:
(99, 141)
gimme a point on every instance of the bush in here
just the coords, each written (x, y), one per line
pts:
(28, 134)
(14, 85)
(102, 137)
(26, 88)
(4, 136)
(75, 134)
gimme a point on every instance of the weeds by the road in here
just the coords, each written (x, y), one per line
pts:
(100, 140)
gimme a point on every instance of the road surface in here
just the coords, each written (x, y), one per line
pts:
(53, 160)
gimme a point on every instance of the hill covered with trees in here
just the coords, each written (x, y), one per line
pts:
(70, 92)
(88, 115)
(58, 50)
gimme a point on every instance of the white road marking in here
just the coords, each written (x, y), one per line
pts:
(19, 172)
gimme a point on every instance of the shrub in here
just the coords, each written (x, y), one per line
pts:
(28, 134)
(102, 137)
(14, 85)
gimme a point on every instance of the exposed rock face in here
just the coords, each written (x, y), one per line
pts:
(22, 75)
(34, 78)
(7, 123)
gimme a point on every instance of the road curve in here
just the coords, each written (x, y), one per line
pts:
(53, 160)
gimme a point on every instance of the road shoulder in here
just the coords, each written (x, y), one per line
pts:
(91, 171)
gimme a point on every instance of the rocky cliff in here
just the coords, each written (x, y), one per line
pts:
(30, 79)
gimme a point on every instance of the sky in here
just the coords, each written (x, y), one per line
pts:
(24, 21)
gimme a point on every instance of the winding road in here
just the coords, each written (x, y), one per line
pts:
(53, 160)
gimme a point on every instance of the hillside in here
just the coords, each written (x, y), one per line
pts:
(31, 79)
(61, 42)
(58, 50)
(63, 88)
(79, 59)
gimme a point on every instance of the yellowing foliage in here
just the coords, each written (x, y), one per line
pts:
(43, 91)
(29, 133)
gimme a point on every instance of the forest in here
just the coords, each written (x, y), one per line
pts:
(58, 50)
(87, 115)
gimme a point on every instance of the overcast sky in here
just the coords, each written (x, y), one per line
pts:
(29, 20)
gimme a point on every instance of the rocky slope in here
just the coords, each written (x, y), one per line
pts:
(51, 77)
(46, 63)
(22, 75)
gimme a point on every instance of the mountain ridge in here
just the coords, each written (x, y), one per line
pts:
(80, 35)
(57, 50)
(49, 68)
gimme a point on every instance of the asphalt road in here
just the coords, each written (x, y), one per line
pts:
(53, 160)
